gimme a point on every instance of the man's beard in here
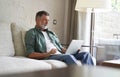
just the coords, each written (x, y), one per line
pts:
(44, 26)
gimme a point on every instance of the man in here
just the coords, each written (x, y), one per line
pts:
(42, 43)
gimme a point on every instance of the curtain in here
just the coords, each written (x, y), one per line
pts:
(78, 24)
(72, 27)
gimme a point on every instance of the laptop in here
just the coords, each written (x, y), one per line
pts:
(74, 46)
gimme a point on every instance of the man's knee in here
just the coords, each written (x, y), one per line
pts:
(71, 57)
(85, 53)
(68, 56)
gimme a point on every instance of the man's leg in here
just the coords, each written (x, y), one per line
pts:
(68, 59)
(84, 57)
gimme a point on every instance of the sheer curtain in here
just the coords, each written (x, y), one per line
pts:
(78, 24)
(84, 28)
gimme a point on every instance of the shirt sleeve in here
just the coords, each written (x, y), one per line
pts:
(30, 42)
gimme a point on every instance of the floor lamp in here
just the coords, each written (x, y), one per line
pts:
(83, 5)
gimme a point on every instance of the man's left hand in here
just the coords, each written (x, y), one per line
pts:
(64, 50)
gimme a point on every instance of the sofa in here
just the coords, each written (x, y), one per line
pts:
(12, 52)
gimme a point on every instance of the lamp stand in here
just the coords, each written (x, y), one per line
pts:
(92, 31)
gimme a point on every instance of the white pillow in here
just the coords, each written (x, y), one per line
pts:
(17, 40)
(23, 37)
(6, 43)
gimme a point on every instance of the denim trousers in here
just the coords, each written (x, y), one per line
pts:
(71, 59)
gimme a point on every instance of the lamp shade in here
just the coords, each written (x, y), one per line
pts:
(82, 5)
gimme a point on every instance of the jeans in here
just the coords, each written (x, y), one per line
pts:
(84, 57)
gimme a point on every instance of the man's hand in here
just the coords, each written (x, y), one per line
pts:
(78, 50)
(64, 50)
(53, 51)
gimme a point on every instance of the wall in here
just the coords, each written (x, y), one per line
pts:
(23, 12)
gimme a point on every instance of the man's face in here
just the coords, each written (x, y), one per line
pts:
(42, 21)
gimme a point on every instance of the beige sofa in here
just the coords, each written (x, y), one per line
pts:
(12, 52)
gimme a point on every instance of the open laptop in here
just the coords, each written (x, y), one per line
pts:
(74, 46)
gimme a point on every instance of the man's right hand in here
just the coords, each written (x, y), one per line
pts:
(53, 51)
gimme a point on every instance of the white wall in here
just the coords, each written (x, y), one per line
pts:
(23, 12)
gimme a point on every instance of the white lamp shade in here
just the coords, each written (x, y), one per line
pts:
(81, 5)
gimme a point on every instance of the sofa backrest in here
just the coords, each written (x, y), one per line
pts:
(6, 43)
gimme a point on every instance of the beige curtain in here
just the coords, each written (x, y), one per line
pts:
(72, 27)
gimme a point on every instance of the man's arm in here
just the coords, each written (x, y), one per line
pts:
(36, 55)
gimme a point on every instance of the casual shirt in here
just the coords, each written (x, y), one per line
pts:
(49, 43)
(35, 41)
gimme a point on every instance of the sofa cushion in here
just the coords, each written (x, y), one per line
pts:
(17, 39)
(10, 65)
(6, 43)
(56, 63)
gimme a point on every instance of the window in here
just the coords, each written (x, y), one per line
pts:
(116, 5)
(107, 25)
(107, 31)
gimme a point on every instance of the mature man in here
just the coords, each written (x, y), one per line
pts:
(42, 43)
